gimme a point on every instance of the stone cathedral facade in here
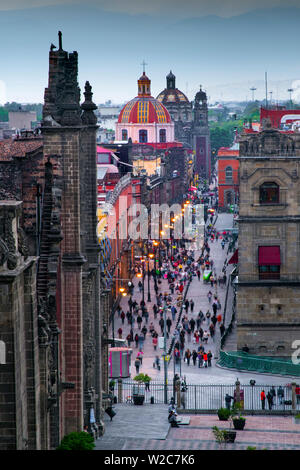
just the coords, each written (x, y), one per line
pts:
(49, 264)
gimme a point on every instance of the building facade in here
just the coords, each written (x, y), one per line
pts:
(228, 176)
(179, 107)
(268, 292)
(144, 119)
(55, 176)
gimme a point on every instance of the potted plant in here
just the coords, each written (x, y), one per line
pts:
(138, 390)
(223, 414)
(297, 418)
(237, 420)
(224, 436)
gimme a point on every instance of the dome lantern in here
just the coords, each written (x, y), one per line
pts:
(171, 81)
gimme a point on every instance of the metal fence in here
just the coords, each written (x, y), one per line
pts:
(210, 397)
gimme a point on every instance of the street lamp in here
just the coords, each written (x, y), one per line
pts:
(149, 256)
(143, 261)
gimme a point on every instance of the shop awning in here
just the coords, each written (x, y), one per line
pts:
(269, 255)
(235, 257)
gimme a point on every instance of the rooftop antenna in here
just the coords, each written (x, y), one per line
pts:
(60, 40)
(290, 90)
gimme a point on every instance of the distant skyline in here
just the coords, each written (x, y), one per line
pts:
(223, 45)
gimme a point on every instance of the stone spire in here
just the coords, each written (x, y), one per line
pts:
(62, 96)
(88, 116)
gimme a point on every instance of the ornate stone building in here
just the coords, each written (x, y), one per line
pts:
(200, 139)
(55, 176)
(179, 107)
(268, 295)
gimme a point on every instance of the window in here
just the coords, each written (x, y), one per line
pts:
(269, 262)
(124, 134)
(269, 193)
(228, 173)
(162, 135)
(143, 137)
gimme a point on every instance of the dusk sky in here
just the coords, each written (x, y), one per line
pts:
(224, 45)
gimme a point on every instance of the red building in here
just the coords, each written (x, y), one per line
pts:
(285, 119)
(228, 178)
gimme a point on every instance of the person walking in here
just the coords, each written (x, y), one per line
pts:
(144, 331)
(139, 321)
(263, 399)
(209, 358)
(169, 324)
(270, 399)
(137, 364)
(222, 329)
(188, 356)
(173, 311)
(161, 324)
(122, 317)
(192, 325)
(215, 308)
(192, 306)
(205, 359)
(228, 399)
(154, 342)
(200, 359)
(136, 339)
(194, 356)
(120, 333)
(280, 394)
(186, 305)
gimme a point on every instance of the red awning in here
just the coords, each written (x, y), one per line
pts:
(269, 255)
(235, 257)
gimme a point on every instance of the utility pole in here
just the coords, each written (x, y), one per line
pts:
(253, 90)
(290, 90)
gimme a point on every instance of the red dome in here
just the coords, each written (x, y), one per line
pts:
(144, 110)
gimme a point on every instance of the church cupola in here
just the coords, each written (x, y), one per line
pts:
(144, 85)
(171, 81)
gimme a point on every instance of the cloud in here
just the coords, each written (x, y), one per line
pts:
(26, 4)
(169, 8)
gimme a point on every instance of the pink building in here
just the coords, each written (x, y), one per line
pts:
(144, 119)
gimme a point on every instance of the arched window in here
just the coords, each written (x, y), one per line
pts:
(143, 137)
(162, 135)
(2, 353)
(124, 134)
(228, 173)
(269, 193)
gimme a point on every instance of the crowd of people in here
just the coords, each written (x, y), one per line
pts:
(193, 332)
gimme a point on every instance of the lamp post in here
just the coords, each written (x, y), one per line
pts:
(150, 256)
(165, 354)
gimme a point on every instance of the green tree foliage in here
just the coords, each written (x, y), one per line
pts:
(77, 441)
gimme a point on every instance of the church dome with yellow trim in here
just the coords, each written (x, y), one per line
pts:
(144, 119)
(144, 108)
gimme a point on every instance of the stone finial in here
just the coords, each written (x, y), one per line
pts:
(88, 116)
(60, 40)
